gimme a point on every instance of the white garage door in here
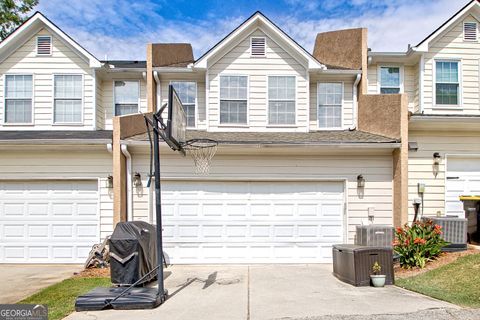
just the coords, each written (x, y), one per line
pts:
(48, 221)
(463, 178)
(249, 222)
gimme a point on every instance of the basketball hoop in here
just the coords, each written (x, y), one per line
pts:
(202, 152)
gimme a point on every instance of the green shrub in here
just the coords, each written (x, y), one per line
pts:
(418, 244)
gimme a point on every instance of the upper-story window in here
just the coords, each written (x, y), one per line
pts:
(126, 94)
(187, 92)
(389, 80)
(281, 100)
(67, 99)
(329, 111)
(233, 99)
(446, 83)
(18, 98)
(470, 31)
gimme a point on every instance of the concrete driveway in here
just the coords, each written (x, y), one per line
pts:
(268, 292)
(19, 281)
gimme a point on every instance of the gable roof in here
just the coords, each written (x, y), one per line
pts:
(259, 18)
(34, 24)
(423, 45)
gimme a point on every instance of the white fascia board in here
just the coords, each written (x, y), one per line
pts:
(29, 26)
(259, 19)
(423, 46)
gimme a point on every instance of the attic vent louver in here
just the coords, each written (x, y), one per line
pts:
(470, 31)
(257, 45)
(44, 45)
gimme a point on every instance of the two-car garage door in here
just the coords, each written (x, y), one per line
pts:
(48, 221)
(252, 221)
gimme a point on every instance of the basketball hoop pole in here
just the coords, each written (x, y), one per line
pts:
(158, 209)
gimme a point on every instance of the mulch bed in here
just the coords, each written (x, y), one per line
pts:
(445, 258)
(93, 273)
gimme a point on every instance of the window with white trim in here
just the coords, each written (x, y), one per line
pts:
(281, 100)
(126, 94)
(389, 80)
(446, 83)
(257, 46)
(233, 99)
(329, 111)
(470, 31)
(187, 92)
(68, 94)
(18, 98)
(44, 45)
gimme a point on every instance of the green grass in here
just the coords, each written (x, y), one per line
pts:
(457, 282)
(61, 296)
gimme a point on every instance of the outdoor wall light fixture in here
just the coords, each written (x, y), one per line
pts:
(137, 179)
(436, 163)
(109, 182)
(360, 181)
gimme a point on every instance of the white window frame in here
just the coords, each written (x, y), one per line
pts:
(113, 90)
(459, 104)
(379, 77)
(342, 118)
(36, 46)
(268, 101)
(476, 33)
(196, 100)
(82, 104)
(238, 125)
(5, 100)
(265, 41)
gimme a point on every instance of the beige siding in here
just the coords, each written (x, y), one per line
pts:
(420, 167)
(106, 111)
(450, 45)
(63, 61)
(100, 105)
(372, 79)
(377, 170)
(63, 163)
(278, 62)
(199, 78)
(347, 105)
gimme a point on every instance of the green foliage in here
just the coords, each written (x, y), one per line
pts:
(418, 244)
(13, 13)
(61, 296)
(376, 268)
(456, 282)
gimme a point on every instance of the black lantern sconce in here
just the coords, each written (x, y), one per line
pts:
(360, 181)
(137, 179)
(109, 182)
(436, 163)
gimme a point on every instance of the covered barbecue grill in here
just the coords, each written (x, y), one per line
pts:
(133, 252)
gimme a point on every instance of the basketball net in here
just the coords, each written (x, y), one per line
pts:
(202, 152)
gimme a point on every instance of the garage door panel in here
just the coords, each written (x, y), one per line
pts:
(50, 222)
(463, 178)
(242, 222)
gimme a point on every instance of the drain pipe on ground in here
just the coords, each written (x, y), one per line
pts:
(129, 182)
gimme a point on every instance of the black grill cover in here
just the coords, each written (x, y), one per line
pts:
(133, 252)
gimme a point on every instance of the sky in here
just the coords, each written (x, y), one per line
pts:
(120, 29)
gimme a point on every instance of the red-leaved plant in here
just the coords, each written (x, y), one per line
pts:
(418, 244)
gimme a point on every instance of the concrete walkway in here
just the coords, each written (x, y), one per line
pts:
(269, 292)
(19, 281)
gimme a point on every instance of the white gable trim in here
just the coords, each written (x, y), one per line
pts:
(423, 46)
(32, 26)
(258, 20)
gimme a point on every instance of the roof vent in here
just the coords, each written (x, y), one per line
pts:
(470, 31)
(257, 45)
(44, 45)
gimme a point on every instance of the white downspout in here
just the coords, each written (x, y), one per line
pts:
(355, 102)
(157, 81)
(421, 80)
(129, 182)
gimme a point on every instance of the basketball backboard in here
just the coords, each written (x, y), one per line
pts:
(176, 122)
